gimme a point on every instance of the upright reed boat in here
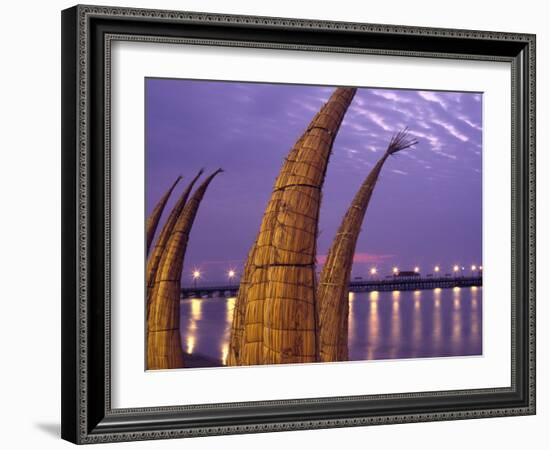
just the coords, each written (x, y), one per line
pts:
(275, 319)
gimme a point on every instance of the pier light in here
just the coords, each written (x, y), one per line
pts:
(456, 268)
(373, 271)
(416, 269)
(395, 270)
(480, 268)
(436, 269)
(473, 268)
(196, 276)
(231, 274)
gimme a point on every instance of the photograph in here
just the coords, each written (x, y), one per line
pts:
(283, 222)
(290, 223)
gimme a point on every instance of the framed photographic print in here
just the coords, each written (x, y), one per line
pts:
(255, 209)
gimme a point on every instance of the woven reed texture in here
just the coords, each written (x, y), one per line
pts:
(153, 219)
(332, 293)
(163, 336)
(158, 249)
(275, 319)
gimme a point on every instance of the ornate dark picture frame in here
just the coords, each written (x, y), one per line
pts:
(87, 33)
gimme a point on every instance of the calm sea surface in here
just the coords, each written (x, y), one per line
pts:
(382, 325)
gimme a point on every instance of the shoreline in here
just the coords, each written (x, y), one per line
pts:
(197, 360)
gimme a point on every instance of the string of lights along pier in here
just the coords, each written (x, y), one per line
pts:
(375, 280)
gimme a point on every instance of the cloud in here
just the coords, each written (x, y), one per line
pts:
(353, 151)
(391, 95)
(451, 129)
(467, 121)
(377, 119)
(356, 126)
(358, 101)
(434, 98)
(446, 155)
(434, 141)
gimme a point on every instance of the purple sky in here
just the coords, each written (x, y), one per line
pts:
(426, 208)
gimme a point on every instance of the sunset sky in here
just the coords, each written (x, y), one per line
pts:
(426, 208)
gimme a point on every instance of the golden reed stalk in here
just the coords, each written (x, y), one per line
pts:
(153, 219)
(163, 335)
(332, 293)
(158, 249)
(275, 319)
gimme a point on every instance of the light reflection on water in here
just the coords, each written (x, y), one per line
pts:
(457, 320)
(373, 324)
(437, 326)
(417, 323)
(395, 326)
(382, 325)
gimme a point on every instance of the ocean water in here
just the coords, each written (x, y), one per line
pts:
(382, 325)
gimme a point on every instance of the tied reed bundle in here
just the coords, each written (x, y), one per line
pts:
(153, 219)
(158, 249)
(275, 313)
(332, 293)
(163, 336)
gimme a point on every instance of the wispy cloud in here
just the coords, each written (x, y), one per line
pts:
(467, 121)
(446, 155)
(390, 95)
(434, 141)
(399, 172)
(451, 129)
(376, 119)
(258, 124)
(434, 98)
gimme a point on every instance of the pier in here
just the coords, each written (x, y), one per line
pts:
(385, 284)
